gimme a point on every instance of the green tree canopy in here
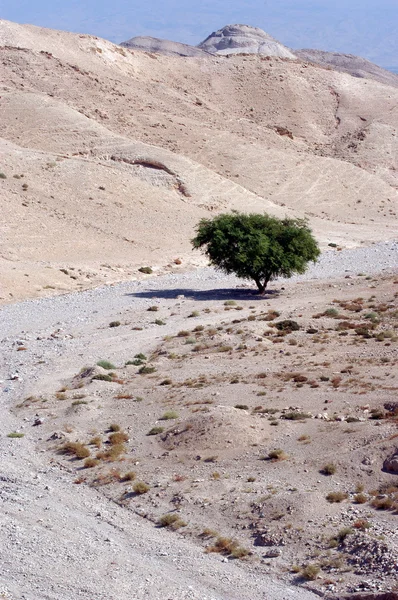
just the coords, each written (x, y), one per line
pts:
(257, 246)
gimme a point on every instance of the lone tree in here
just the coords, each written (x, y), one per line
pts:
(258, 247)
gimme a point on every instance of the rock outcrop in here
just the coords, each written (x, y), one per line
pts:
(243, 39)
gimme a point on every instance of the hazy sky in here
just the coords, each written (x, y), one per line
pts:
(365, 27)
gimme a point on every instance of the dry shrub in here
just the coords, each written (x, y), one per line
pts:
(228, 546)
(75, 449)
(141, 488)
(329, 469)
(129, 476)
(114, 427)
(310, 572)
(334, 497)
(96, 441)
(277, 454)
(171, 521)
(118, 437)
(113, 453)
(90, 462)
(360, 498)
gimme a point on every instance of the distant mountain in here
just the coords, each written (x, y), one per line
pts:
(393, 69)
(159, 46)
(239, 39)
(347, 63)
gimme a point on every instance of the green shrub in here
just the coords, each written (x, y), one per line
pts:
(105, 364)
(15, 434)
(287, 325)
(146, 270)
(102, 377)
(146, 370)
(155, 430)
(169, 415)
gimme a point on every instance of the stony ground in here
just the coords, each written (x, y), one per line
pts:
(251, 429)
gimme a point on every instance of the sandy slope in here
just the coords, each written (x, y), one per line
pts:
(172, 140)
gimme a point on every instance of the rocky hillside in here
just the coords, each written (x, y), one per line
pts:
(347, 63)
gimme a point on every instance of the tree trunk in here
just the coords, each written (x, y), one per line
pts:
(261, 285)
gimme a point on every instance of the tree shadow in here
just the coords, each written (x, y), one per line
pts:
(240, 295)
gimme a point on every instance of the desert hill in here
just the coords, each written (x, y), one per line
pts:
(347, 63)
(236, 39)
(159, 46)
(110, 156)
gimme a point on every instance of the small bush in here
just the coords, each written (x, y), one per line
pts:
(3, 176)
(343, 533)
(329, 469)
(383, 503)
(153, 308)
(102, 377)
(171, 521)
(183, 333)
(146, 370)
(90, 463)
(228, 546)
(96, 441)
(113, 453)
(114, 427)
(242, 406)
(155, 430)
(129, 476)
(15, 434)
(168, 415)
(76, 449)
(137, 362)
(105, 364)
(287, 325)
(118, 437)
(334, 497)
(310, 572)
(114, 324)
(230, 303)
(141, 488)
(360, 498)
(277, 454)
(146, 270)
